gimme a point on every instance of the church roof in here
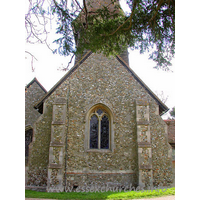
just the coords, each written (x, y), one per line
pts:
(162, 107)
(35, 81)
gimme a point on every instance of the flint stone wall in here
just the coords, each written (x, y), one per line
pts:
(32, 96)
(100, 80)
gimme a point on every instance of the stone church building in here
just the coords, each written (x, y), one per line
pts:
(34, 91)
(100, 123)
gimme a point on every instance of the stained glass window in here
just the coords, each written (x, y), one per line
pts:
(104, 132)
(94, 132)
(99, 130)
(99, 111)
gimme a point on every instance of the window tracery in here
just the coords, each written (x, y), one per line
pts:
(99, 131)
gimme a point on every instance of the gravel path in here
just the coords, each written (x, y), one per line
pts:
(157, 198)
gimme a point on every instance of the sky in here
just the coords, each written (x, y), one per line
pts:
(47, 64)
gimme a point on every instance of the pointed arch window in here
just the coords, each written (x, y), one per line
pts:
(99, 135)
(99, 130)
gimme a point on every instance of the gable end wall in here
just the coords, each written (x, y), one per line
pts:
(100, 80)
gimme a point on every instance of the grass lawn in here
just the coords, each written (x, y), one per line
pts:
(100, 195)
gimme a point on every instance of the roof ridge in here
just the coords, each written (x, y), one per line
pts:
(153, 95)
(163, 107)
(63, 78)
(35, 80)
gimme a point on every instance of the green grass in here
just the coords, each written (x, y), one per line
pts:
(100, 195)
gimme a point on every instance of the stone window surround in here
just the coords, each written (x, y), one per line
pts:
(99, 117)
(87, 129)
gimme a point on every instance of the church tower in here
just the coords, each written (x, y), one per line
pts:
(92, 6)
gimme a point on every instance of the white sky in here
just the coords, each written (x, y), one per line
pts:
(46, 69)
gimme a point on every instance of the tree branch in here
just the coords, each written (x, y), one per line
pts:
(86, 13)
(32, 56)
(157, 9)
(78, 4)
(130, 18)
(66, 68)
